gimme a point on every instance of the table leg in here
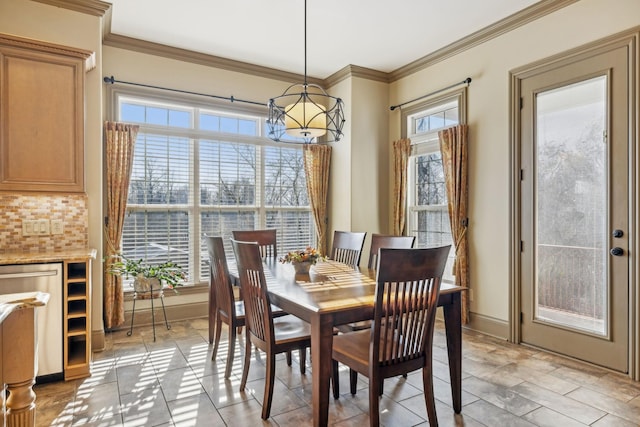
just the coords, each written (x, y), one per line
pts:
(453, 329)
(321, 347)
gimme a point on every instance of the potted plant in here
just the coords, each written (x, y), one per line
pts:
(303, 260)
(148, 277)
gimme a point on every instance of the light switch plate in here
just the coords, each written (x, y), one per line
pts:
(42, 227)
(57, 226)
(27, 227)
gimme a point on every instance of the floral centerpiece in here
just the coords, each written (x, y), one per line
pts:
(303, 260)
(148, 276)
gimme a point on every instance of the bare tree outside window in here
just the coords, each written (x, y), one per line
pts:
(227, 178)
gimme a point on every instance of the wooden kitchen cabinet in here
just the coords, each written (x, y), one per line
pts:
(77, 319)
(41, 115)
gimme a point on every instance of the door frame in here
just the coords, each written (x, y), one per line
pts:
(630, 39)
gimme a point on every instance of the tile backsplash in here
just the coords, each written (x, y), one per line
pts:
(71, 209)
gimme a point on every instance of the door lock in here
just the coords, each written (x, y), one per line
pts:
(617, 233)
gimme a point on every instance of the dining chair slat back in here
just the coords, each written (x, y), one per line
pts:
(347, 247)
(401, 337)
(266, 240)
(384, 241)
(379, 241)
(224, 309)
(251, 273)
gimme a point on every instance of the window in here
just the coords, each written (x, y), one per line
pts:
(428, 215)
(198, 170)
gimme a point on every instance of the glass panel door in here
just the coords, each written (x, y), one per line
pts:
(574, 207)
(571, 209)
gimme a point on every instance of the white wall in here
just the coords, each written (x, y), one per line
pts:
(488, 116)
(370, 159)
(359, 187)
(340, 188)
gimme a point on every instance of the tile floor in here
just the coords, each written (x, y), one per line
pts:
(173, 382)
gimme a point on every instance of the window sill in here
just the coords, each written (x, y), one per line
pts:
(189, 289)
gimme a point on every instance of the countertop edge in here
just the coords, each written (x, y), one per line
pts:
(12, 302)
(47, 257)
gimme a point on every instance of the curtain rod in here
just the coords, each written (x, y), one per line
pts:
(112, 80)
(467, 81)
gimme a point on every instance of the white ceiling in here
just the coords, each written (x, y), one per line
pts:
(383, 35)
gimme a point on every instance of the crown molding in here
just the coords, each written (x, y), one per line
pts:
(533, 12)
(507, 24)
(356, 71)
(46, 47)
(90, 7)
(137, 45)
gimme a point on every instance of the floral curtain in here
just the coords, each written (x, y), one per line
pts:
(317, 159)
(119, 140)
(401, 152)
(453, 146)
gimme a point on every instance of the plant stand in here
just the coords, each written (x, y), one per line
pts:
(147, 290)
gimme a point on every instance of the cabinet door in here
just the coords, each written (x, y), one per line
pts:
(41, 116)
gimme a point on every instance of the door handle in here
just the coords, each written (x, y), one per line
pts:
(616, 251)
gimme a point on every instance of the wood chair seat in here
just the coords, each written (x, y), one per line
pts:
(288, 332)
(239, 306)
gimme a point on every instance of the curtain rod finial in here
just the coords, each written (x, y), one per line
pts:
(109, 80)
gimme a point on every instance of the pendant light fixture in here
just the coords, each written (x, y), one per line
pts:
(303, 114)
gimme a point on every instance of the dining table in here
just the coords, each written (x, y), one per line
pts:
(332, 294)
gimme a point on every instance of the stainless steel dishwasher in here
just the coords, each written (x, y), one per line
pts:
(44, 278)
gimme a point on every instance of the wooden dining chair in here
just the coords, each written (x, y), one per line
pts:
(385, 241)
(223, 307)
(269, 334)
(401, 337)
(379, 241)
(347, 247)
(266, 239)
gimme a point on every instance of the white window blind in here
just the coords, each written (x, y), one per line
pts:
(428, 215)
(199, 171)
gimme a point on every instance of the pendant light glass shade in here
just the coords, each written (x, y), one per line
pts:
(305, 119)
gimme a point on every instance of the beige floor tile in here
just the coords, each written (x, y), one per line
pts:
(173, 382)
(606, 403)
(500, 396)
(103, 399)
(545, 417)
(490, 415)
(244, 414)
(146, 407)
(613, 421)
(195, 411)
(224, 392)
(283, 399)
(551, 382)
(179, 383)
(572, 408)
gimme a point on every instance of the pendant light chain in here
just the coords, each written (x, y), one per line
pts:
(302, 116)
(305, 43)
